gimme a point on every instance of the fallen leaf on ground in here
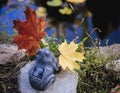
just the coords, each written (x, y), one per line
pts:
(69, 56)
(30, 32)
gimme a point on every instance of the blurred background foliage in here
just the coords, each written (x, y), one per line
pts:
(68, 18)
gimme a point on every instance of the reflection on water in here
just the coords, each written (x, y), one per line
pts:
(15, 10)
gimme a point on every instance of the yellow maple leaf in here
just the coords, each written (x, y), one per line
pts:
(69, 56)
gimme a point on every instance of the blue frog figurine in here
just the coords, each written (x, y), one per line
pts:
(42, 74)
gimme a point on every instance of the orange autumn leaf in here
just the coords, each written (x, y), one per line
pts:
(30, 32)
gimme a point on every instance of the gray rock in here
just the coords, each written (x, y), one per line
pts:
(10, 53)
(114, 52)
(66, 81)
(115, 65)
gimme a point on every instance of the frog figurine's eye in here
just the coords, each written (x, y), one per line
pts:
(38, 72)
(47, 54)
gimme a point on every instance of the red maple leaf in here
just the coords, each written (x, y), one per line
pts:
(30, 32)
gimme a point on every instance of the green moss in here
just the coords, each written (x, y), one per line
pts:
(93, 77)
(53, 45)
(5, 38)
